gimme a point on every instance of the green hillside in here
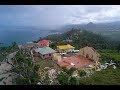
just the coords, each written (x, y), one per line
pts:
(81, 38)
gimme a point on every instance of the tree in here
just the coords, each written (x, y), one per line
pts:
(65, 69)
(118, 49)
(63, 79)
(71, 70)
(81, 73)
(73, 81)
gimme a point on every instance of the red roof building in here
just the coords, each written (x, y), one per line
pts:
(77, 61)
(43, 43)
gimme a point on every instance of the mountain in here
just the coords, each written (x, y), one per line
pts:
(111, 26)
(109, 29)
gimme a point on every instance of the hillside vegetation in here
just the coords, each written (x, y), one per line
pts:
(81, 38)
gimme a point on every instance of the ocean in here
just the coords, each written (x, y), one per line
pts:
(21, 36)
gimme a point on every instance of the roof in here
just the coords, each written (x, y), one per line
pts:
(28, 45)
(43, 42)
(77, 61)
(45, 50)
(68, 46)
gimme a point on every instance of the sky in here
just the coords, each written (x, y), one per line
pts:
(51, 16)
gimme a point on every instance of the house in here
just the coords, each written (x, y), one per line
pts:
(77, 61)
(65, 48)
(43, 43)
(45, 52)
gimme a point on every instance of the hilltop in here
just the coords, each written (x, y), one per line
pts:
(109, 29)
(81, 38)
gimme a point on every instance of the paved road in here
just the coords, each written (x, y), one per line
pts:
(6, 67)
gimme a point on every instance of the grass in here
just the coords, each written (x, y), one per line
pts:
(46, 63)
(113, 56)
(104, 77)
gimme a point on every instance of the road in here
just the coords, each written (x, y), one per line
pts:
(6, 67)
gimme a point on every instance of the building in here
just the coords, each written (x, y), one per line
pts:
(43, 43)
(57, 57)
(77, 61)
(90, 53)
(45, 52)
(65, 48)
(29, 45)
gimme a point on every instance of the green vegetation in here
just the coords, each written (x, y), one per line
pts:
(105, 77)
(44, 63)
(73, 81)
(82, 39)
(63, 79)
(81, 73)
(4, 51)
(70, 71)
(108, 76)
(108, 49)
(26, 72)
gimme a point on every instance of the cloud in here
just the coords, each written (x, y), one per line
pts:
(57, 15)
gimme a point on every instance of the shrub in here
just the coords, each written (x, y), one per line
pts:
(71, 70)
(65, 69)
(63, 79)
(82, 73)
(73, 81)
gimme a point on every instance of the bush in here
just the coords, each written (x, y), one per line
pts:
(82, 73)
(65, 69)
(63, 79)
(71, 71)
(73, 81)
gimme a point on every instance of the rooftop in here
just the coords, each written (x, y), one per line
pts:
(68, 46)
(44, 41)
(45, 50)
(77, 61)
(30, 45)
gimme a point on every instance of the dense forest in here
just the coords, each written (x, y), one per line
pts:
(80, 38)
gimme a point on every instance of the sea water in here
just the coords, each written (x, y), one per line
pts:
(7, 36)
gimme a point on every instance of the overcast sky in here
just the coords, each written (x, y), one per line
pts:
(57, 15)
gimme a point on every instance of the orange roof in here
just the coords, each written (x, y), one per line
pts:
(77, 61)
